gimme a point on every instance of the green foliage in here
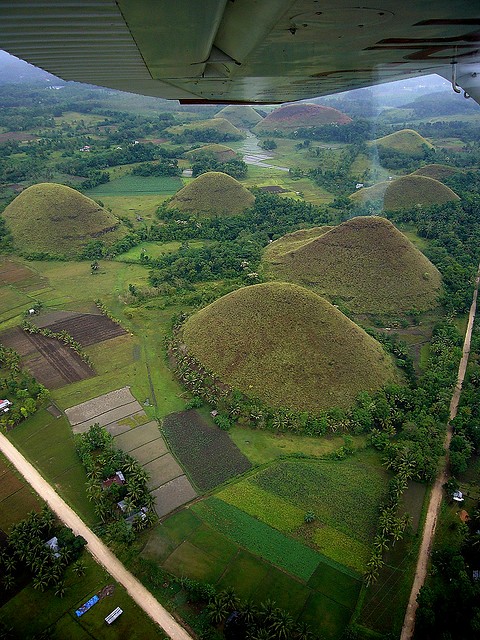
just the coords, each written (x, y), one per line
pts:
(259, 538)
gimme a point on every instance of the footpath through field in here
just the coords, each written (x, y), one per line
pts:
(442, 477)
(99, 551)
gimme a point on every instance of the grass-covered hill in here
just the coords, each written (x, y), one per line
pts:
(221, 152)
(406, 141)
(287, 346)
(293, 116)
(366, 264)
(405, 192)
(213, 194)
(220, 125)
(55, 219)
(241, 116)
(435, 171)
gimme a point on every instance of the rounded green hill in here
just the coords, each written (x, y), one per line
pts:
(55, 219)
(213, 194)
(366, 264)
(293, 116)
(288, 347)
(405, 192)
(221, 152)
(406, 141)
(242, 116)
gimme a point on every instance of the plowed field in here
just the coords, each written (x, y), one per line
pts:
(48, 360)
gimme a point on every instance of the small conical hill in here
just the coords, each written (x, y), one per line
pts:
(406, 141)
(221, 152)
(435, 171)
(219, 125)
(293, 116)
(241, 116)
(213, 194)
(288, 347)
(55, 219)
(405, 192)
(366, 264)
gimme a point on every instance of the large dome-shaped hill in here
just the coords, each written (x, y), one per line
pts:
(288, 347)
(366, 264)
(213, 194)
(293, 116)
(405, 192)
(52, 218)
(242, 116)
(220, 125)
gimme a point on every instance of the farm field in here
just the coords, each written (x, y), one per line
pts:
(206, 451)
(31, 612)
(16, 497)
(125, 419)
(85, 328)
(49, 360)
(188, 543)
(47, 442)
(129, 185)
(156, 249)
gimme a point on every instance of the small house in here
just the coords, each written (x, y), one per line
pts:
(118, 478)
(5, 405)
(52, 544)
(359, 185)
(458, 496)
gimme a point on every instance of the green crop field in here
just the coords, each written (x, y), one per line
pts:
(259, 538)
(156, 249)
(263, 446)
(129, 185)
(16, 497)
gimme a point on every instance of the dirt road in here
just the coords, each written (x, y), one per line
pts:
(99, 551)
(436, 495)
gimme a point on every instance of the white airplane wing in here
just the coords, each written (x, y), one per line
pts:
(245, 50)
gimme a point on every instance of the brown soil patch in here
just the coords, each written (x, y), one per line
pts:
(19, 136)
(85, 328)
(48, 360)
(14, 273)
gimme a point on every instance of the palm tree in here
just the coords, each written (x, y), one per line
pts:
(60, 589)
(249, 612)
(8, 581)
(217, 610)
(40, 582)
(281, 624)
(302, 632)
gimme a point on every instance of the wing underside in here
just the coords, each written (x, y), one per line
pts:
(245, 50)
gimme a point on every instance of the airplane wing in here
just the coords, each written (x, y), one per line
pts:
(245, 50)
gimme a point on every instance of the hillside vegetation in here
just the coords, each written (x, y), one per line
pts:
(293, 116)
(435, 171)
(56, 219)
(406, 141)
(287, 346)
(219, 125)
(213, 194)
(405, 192)
(241, 116)
(366, 264)
(221, 152)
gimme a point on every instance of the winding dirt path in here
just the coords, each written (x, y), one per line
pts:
(442, 477)
(144, 599)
